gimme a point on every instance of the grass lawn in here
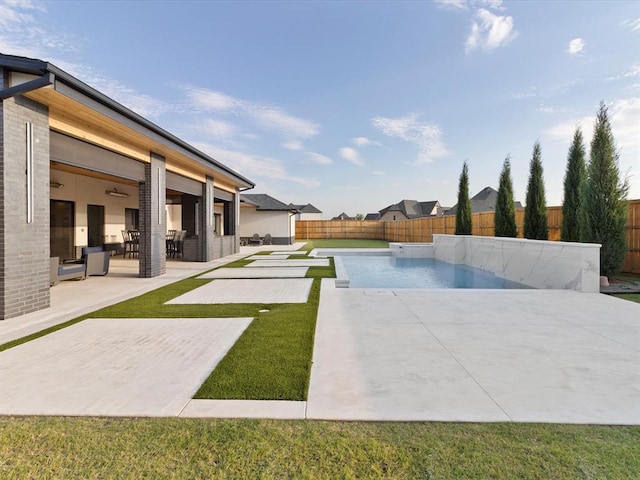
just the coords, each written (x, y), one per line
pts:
(270, 361)
(37, 447)
(319, 243)
(632, 297)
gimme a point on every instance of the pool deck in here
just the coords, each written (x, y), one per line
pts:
(475, 355)
(416, 355)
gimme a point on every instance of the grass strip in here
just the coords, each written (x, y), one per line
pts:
(41, 447)
(272, 358)
(632, 297)
(331, 243)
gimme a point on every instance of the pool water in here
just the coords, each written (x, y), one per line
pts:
(393, 272)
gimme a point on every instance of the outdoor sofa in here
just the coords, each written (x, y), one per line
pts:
(94, 261)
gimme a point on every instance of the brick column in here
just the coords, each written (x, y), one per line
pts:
(24, 206)
(207, 221)
(153, 221)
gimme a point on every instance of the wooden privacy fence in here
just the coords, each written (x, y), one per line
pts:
(421, 230)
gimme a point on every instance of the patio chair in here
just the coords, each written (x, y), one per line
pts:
(178, 243)
(267, 239)
(65, 271)
(171, 242)
(96, 260)
(255, 239)
(134, 245)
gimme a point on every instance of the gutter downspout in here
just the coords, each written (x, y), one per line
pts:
(47, 79)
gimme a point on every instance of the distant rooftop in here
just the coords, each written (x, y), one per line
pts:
(262, 201)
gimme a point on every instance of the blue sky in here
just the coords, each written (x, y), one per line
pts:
(353, 106)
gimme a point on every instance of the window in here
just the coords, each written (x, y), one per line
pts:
(131, 219)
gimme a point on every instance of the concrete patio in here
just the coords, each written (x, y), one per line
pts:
(456, 355)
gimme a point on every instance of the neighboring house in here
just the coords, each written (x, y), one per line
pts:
(409, 209)
(307, 212)
(343, 216)
(78, 168)
(372, 216)
(263, 214)
(483, 201)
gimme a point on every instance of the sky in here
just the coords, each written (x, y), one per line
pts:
(356, 105)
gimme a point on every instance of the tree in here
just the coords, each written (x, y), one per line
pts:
(604, 200)
(505, 216)
(574, 181)
(535, 211)
(359, 216)
(463, 213)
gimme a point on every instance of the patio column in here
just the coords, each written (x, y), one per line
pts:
(24, 205)
(153, 222)
(207, 221)
(236, 221)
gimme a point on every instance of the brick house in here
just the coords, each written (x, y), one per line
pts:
(77, 168)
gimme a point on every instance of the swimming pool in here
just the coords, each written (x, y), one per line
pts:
(393, 272)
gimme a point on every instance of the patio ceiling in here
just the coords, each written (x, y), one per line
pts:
(74, 118)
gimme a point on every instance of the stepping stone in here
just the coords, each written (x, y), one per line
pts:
(268, 257)
(266, 272)
(311, 262)
(272, 290)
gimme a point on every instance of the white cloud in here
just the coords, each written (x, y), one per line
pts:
(576, 46)
(293, 145)
(490, 31)
(210, 100)
(452, 4)
(351, 155)
(361, 141)
(217, 128)
(633, 72)
(254, 166)
(426, 136)
(633, 25)
(545, 109)
(625, 123)
(272, 118)
(317, 158)
(267, 117)
(23, 33)
(563, 132)
(364, 142)
(623, 115)
(379, 172)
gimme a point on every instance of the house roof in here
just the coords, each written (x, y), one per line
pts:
(372, 216)
(483, 201)
(265, 202)
(69, 92)
(308, 208)
(343, 216)
(412, 208)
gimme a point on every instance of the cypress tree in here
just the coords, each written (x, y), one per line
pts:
(535, 211)
(463, 213)
(574, 180)
(604, 201)
(505, 216)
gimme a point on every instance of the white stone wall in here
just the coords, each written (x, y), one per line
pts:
(535, 263)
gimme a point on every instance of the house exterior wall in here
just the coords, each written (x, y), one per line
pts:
(24, 245)
(83, 191)
(308, 216)
(392, 217)
(275, 223)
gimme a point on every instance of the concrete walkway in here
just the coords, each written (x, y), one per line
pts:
(475, 355)
(460, 355)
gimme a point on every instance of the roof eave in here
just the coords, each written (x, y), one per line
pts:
(39, 67)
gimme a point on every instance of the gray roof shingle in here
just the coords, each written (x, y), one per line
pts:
(262, 201)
